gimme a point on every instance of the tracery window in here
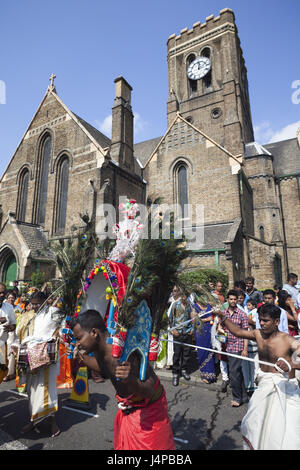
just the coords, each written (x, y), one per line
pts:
(62, 195)
(192, 84)
(43, 180)
(182, 187)
(207, 79)
(23, 195)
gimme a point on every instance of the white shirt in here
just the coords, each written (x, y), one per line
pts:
(293, 291)
(45, 324)
(6, 311)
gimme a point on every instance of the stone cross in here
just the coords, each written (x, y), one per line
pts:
(52, 79)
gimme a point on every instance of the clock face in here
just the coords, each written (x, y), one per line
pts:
(198, 68)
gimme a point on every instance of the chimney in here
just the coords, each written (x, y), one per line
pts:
(122, 125)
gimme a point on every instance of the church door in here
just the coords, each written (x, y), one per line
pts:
(10, 269)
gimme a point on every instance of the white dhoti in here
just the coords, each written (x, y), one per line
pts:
(42, 392)
(272, 421)
(41, 385)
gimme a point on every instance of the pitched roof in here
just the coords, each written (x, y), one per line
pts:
(217, 235)
(35, 240)
(253, 149)
(286, 156)
(102, 139)
(143, 150)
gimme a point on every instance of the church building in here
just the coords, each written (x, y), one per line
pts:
(207, 155)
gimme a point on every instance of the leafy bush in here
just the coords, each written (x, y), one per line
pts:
(202, 276)
(37, 279)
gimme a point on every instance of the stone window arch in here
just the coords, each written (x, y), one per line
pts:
(42, 175)
(62, 187)
(261, 229)
(192, 84)
(181, 186)
(207, 79)
(22, 195)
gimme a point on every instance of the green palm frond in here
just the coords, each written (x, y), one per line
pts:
(73, 256)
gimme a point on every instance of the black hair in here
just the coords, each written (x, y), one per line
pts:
(269, 309)
(291, 276)
(240, 292)
(3, 285)
(250, 278)
(269, 291)
(277, 287)
(240, 285)
(88, 320)
(232, 292)
(39, 295)
(283, 295)
(11, 292)
(252, 301)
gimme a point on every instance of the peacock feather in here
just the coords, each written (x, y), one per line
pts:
(154, 271)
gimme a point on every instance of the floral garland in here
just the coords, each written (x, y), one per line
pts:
(109, 275)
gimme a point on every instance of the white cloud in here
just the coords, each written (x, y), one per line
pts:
(139, 123)
(288, 132)
(265, 134)
(105, 125)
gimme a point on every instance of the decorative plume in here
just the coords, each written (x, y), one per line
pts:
(73, 256)
(154, 271)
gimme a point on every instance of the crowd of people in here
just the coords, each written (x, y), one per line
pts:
(242, 323)
(241, 304)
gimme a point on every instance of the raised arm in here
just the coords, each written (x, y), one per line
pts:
(234, 329)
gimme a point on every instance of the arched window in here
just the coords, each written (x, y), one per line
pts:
(262, 233)
(43, 180)
(182, 187)
(23, 195)
(192, 84)
(62, 195)
(206, 81)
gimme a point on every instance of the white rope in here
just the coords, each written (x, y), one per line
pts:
(199, 315)
(232, 355)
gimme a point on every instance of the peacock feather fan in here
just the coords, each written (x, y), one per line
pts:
(73, 257)
(154, 272)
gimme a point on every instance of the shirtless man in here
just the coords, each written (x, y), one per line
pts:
(272, 344)
(272, 421)
(142, 421)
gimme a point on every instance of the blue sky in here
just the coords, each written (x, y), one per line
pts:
(88, 44)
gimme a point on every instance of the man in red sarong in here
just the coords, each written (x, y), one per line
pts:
(142, 421)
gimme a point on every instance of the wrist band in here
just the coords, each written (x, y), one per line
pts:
(286, 362)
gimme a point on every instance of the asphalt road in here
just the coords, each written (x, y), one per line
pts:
(201, 417)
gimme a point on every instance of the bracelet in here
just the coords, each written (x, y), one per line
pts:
(286, 362)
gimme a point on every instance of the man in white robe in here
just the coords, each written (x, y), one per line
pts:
(7, 324)
(40, 327)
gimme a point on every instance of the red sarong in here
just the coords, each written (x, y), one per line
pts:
(146, 428)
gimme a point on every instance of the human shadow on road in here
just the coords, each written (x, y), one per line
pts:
(15, 414)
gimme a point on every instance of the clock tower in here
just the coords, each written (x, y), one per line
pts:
(208, 82)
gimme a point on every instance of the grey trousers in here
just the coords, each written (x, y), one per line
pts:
(236, 378)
